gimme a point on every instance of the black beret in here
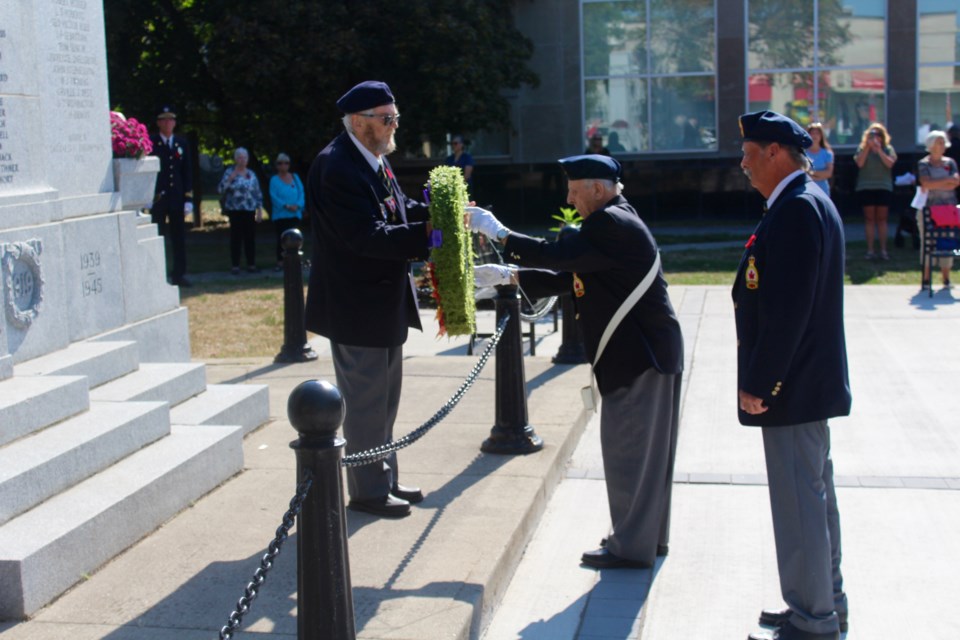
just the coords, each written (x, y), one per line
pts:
(366, 95)
(770, 126)
(591, 166)
(166, 111)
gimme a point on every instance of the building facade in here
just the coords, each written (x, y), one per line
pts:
(663, 81)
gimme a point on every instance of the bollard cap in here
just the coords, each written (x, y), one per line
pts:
(291, 239)
(315, 409)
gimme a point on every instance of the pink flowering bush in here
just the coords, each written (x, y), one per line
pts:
(130, 138)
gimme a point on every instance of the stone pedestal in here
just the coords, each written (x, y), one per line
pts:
(135, 179)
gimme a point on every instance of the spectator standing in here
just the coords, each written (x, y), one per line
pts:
(938, 175)
(287, 199)
(461, 158)
(361, 294)
(173, 192)
(792, 370)
(875, 158)
(639, 370)
(821, 157)
(595, 145)
(243, 206)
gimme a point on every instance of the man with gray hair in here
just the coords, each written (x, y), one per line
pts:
(792, 370)
(638, 360)
(361, 294)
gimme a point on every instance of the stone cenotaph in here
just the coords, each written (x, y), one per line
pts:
(106, 427)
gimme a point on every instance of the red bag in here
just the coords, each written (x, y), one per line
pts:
(945, 215)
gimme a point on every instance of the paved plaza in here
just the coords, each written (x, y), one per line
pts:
(493, 550)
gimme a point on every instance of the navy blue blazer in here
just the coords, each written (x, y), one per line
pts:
(360, 290)
(175, 179)
(788, 304)
(602, 265)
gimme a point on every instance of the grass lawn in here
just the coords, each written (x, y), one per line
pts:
(243, 317)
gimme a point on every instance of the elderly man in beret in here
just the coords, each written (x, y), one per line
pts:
(792, 370)
(638, 361)
(361, 294)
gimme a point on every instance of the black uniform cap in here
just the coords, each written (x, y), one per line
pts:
(770, 126)
(366, 95)
(591, 166)
(166, 111)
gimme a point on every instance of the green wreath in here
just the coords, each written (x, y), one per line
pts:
(451, 264)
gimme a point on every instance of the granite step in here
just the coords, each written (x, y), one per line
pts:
(56, 544)
(172, 382)
(99, 361)
(31, 403)
(247, 405)
(39, 466)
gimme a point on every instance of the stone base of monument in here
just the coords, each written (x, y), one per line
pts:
(96, 469)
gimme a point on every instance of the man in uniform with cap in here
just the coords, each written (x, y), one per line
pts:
(639, 370)
(361, 294)
(792, 369)
(173, 192)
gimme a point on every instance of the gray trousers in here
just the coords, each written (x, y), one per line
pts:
(806, 523)
(369, 379)
(638, 439)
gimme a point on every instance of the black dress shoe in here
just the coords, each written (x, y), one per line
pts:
(662, 549)
(389, 506)
(777, 617)
(604, 559)
(787, 631)
(413, 495)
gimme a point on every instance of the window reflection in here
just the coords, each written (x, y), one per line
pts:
(649, 74)
(819, 60)
(938, 71)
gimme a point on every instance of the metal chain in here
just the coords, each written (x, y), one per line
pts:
(266, 562)
(379, 453)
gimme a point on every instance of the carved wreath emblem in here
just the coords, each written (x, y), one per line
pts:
(23, 281)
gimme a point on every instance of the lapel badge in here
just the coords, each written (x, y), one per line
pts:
(578, 289)
(752, 276)
(391, 203)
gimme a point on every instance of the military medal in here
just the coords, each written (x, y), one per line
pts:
(578, 289)
(752, 276)
(391, 203)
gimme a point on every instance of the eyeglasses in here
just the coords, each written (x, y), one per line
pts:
(388, 118)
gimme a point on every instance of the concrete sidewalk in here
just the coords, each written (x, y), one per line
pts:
(443, 572)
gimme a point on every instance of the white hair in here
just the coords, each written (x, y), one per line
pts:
(933, 136)
(348, 123)
(241, 152)
(610, 184)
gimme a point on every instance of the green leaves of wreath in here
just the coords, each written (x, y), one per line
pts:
(451, 264)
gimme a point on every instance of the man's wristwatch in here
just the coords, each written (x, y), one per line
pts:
(502, 234)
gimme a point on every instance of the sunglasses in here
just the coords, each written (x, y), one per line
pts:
(388, 118)
(282, 162)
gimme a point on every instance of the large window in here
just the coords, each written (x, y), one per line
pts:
(649, 74)
(938, 48)
(819, 60)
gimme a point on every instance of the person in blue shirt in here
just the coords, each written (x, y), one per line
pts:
(821, 157)
(460, 158)
(287, 198)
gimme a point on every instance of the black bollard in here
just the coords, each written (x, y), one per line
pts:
(510, 434)
(295, 346)
(571, 348)
(324, 592)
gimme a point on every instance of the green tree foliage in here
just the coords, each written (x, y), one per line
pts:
(266, 74)
(781, 32)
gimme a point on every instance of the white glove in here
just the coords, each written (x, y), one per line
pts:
(482, 221)
(188, 208)
(493, 275)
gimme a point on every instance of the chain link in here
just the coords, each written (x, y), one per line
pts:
(266, 562)
(355, 460)
(379, 453)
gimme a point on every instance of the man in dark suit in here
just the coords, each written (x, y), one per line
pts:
(792, 370)
(174, 191)
(639, 370)
(361, 294)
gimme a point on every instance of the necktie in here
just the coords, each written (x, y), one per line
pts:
(387, 182)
